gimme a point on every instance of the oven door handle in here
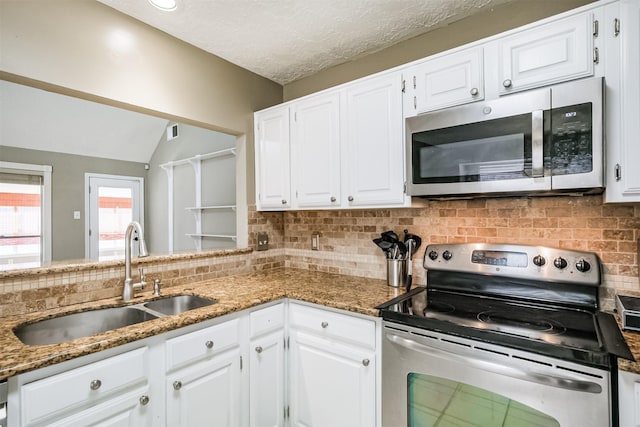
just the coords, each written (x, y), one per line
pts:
(492, 366)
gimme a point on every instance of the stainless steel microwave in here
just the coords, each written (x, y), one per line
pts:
(542, 141)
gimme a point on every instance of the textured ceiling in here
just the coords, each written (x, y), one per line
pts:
(285, 40)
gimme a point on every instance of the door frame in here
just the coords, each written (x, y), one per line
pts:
(87, 203)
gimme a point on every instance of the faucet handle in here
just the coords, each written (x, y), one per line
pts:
(156, 288)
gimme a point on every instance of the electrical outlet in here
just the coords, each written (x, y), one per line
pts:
(263, 241)
(315, 242)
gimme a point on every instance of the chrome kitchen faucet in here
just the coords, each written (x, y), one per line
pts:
(129, 287)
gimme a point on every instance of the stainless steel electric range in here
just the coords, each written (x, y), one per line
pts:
(502, 335)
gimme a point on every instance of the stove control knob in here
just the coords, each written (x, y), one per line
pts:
(583, 266)
(539, 260)
(433, 255)
(447, 255)
(560, 263)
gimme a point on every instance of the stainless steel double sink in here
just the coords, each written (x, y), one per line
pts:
(78, 325)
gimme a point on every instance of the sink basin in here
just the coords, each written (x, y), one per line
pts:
(78, 325)
(178, 304)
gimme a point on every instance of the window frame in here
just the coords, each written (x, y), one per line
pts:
(45, 171)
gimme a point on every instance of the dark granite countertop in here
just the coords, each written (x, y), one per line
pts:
(235, 293)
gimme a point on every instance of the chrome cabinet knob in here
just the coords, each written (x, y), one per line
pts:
(144, 400)
(95, 384)
(350, 198)
(365, 362)
(284, 202)
(507, 83)
(258, 349)
(333, 199)
(209, 344)
(324, 325)
(177, 385)
(474, 91)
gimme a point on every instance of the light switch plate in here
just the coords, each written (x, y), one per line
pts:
(76, 214)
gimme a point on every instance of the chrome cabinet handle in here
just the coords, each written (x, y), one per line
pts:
(350, 198)
(333, 199)
(507, 83)
(365, 362)
(284, 202)
(95, 384)
(258, 349)
(324, 324)
(537, 144)
(209, 344)
(474, 91)
(144, 400)
(177, 385)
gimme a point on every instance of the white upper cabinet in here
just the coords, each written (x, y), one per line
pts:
(445, 81)
(551, 53)
(373, 148)
(273, 178)
(621, 30)
(315, 151)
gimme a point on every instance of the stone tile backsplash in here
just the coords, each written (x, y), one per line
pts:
(346, 247)
(579, 223)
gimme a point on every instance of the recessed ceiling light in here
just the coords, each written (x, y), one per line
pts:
(166, 5)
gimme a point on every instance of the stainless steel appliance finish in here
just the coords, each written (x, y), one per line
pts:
(629, 311)
(571, 394)
(510, 332)
(4, 392)
(536, 142)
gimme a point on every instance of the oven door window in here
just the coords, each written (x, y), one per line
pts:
(492, 150)
(434, 401)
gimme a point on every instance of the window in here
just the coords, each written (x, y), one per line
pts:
(25, 215)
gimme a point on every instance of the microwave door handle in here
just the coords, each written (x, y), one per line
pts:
(537, 144)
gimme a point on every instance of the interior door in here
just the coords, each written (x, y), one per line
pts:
(113, 202)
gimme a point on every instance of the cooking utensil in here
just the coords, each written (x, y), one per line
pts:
(390, 236)
(412, 242)
(410, 266)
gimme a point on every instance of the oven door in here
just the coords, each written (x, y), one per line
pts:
(487, 147)
(432, 379)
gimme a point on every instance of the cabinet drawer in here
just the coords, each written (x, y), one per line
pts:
(201, 344)
(266, 320)
(85, 385)
(330, 324)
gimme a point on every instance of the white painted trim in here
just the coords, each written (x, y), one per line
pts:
(87, 203)
(45, 171)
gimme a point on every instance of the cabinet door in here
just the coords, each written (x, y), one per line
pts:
(552, 53)
(131, 410)
(629, 399)
(622, 70)
(207, 393)
(315, 152)
(373, 170)
(331, 384)
(273, 178)
(266, 382)
(453, 79)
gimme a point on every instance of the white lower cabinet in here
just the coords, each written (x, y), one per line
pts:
(203, 383)
(233, 371)
(267, 367)
(629, 399)
(332, 369)
(207, 393)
